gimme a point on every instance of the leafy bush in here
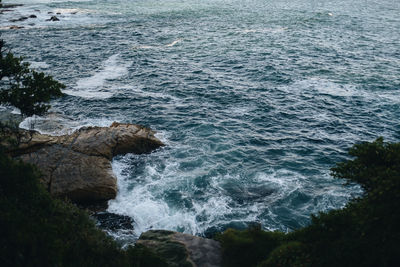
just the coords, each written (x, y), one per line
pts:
(288, 255)
(364, 233)
(248, 247)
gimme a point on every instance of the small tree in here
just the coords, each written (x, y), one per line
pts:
(23, 88)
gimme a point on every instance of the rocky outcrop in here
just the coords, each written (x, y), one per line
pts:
(78, 166)
(180, 249)
(53, 18)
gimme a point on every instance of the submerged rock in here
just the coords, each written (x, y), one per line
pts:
(53, 18)
(180, 249)
(78, 166)
(10, 5)
(19, 19)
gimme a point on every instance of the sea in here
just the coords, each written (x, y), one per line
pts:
(255, 99)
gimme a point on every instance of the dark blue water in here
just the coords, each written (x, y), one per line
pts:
(256, 100)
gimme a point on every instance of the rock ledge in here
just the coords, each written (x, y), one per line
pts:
(78, 166)
(180, 249)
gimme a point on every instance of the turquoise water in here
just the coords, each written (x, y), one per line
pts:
(256, 100)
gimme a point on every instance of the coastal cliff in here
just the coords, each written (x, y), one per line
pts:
(78, 166)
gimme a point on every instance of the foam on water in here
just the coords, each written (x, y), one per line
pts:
(94, 86)
(146, 197)
(58, 124)
(173, 43)
(39, 65)
(264, 30)
(326, 87)
(157, 46)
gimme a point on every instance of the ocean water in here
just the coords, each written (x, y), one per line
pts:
(255, 100)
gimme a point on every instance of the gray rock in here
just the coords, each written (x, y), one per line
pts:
(53, 18)
(20, 19)
(180, 249)
(11, 5)
(78, 166)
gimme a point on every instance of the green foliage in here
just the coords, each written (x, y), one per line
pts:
(248, 247)
(291, 254)
(26, 89)
(140, 256)
(376, 168)
(37, 230)
(364, 233)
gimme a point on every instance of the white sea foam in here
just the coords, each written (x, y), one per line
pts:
(156, 46)
(144, 47)
(148, 211)
(94, 86)
(143, 198)
(58, 124)
(16, 111)
(326, 87)
(173, 43)
(39, 65)
(139, 91)
(264, 30)
(70, 10)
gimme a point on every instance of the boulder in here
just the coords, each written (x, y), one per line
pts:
(19, 19)
(180, 249)
(53, 18)
(78, 166)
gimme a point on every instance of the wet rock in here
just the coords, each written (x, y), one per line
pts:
(78, 166)
(33, 16)
(5, 10)
(180, 249)
(11, 5)
(111, 221)
(53, 18)
(20, 19)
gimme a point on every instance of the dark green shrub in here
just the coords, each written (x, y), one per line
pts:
(37, 230)
(248, 247)
(140, 256)
(292, 254)
(364, 233)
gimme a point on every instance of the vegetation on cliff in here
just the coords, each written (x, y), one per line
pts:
(38, 230)
(364, 233)
(35, 228)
